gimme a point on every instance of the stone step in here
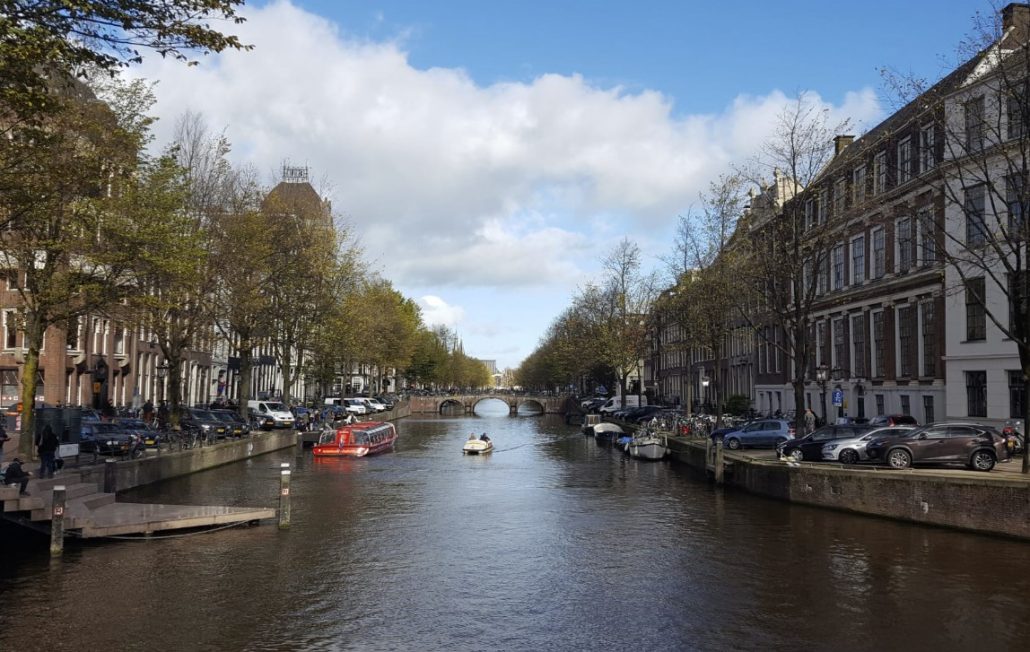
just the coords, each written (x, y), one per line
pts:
(23, 504)
(9, 492)
(94, 501)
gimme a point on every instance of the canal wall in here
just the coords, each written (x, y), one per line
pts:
(130, 474)
(988, 503)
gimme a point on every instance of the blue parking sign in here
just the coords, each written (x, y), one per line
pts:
(838, 397)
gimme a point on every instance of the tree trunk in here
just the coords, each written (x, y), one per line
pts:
(1024, 359)
(34, 332)
(284, 368)
(175, 386)
(246, 376)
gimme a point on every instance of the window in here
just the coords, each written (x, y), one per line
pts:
(976, 393)
(858, 182)
(838, 267)
(823, 206)
(929, 340)
(928, 415)
(119, 340)
(73, 336)
(927, 154)
(878, 343)
(976, 228)
(879, 254)
(906, 340)
(822, 346)
(858, 338)
(879, 173)
(840, 346)
(879, 405)
(906, 245)
(974, 114)
(1014, 194)
(858, 260)
(1017, 113)
(13, 277)
(906, 404)
(809, 213)
(1017, 395)
(904, 160)
(10, 388)
(976, 315)
(840, 189)
(1017, 295)
(824, 275)
(927, 236)
(10, 329)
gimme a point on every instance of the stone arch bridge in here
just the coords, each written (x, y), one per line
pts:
(468, 402)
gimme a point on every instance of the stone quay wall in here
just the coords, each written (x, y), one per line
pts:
(989, 503)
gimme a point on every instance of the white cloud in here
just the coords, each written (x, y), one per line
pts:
(437, 312)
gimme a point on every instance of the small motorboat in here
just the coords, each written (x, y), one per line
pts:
(607, 433)
(356, 440)
(477, 446)
(648, 446)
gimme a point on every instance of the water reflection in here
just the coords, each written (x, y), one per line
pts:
(551, 542)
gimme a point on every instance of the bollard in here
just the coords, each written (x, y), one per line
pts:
(57, 522)
(110, 477)
(718, 461)
(284, 496)
(300, 442)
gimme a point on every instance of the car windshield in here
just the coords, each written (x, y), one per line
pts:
(203, 415)
(276, 407)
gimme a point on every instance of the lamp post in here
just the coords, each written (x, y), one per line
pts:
(704, 390)
(822, 374)
(162, 374)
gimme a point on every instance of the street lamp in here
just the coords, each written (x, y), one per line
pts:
(162, 372)
(822, 374)
(704, 390)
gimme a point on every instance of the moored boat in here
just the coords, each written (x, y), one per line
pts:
(477, 447)
(606, 433)
(648, 446)
(356, 440)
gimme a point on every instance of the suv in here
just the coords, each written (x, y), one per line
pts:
(977, 446)
(893, 420)
(810, 447)
(766, 433)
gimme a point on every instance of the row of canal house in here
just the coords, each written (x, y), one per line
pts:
(900, 323)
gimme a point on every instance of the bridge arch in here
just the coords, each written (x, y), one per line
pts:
(531, 404)
(450, 403)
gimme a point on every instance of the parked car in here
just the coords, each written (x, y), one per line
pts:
(893, 420)
(764, 433)
(235, 426)
(975, 445)
(376, 404)
(810, 447)
(211, 426)
(593, 404)
(139, 429)
(387, 402)
(354, 406)
(853, 450)
(301, 417)
(104, 438)
(641, 414)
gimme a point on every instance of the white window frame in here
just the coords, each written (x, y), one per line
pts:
(858, 181)
(879, 173)
(879, 264)
(927, 151)
(857, 275)
(904, 160)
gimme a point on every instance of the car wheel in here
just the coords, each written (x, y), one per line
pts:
(899, 458)
(733, 443)
(848, 456)
(797, 455)
(982, 461)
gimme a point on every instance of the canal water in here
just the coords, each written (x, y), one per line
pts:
(550, 543)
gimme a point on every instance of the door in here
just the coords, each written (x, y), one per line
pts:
(770, 433)
(959, 444)
(929, 446)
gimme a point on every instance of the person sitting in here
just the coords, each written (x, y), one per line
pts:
(15, 473)
(472, 436)
(484, 437)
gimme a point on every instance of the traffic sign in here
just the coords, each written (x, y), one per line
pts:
(838, 397)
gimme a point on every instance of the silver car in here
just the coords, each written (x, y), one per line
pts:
(851, 451)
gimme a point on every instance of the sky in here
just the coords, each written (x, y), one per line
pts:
(487, 155)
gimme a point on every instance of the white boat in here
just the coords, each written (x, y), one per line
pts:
(477, 447)
(648, 446)
(607, 432)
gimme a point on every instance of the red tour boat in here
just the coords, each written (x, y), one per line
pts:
(356, 440)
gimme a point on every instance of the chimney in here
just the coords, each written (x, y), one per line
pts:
(840, 142)
(1016, 15)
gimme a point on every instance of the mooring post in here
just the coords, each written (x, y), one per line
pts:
(300, 442)
(110, 477)
(57, 522)
(284, 496)
(718, 461)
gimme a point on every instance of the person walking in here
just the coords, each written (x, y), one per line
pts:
(47, 448)
(148, 412)
(809, 421)
(162, 414)
(3, 440)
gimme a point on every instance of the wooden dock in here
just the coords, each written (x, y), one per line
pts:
(91, 513)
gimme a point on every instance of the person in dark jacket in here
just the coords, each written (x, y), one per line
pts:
(15, 473)
(47, 448)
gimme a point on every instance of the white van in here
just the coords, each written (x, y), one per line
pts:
(615, 403)
(281, 415)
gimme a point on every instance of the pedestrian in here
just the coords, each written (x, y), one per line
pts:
(162, 414)
(3, 440)
(47, 448)
(148, 412)
(15, 473)
(809, 421)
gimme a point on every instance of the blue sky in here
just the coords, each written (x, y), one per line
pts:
(487, 154)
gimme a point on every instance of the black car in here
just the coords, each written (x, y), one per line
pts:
(645, 413)
(204, 422)
(977, 446)
(138, 428)
(105, 438)
(237, 426)
(810, 447)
